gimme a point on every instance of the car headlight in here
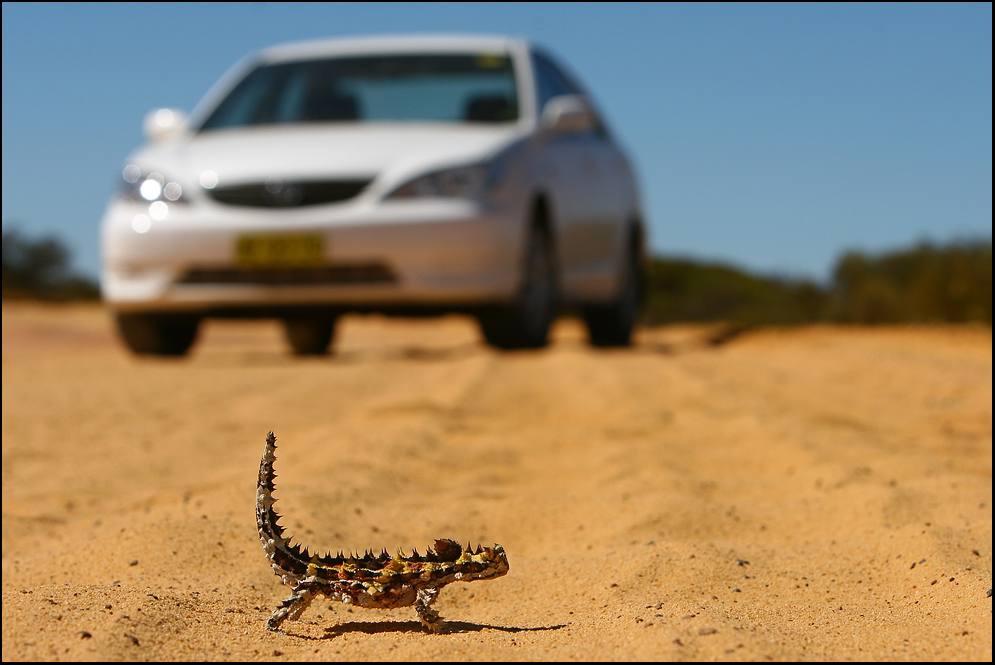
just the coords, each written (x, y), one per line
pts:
(149, 187)
(464, 182)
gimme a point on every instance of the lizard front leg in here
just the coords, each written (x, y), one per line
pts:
(430, 619)
(292, 607)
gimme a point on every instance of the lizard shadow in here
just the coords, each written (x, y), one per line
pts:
(377, 627)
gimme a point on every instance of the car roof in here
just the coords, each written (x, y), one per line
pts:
(371, 45)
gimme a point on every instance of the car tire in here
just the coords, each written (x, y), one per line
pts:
(611, 325)
(309, 336)
(525, 323)
(158, 334)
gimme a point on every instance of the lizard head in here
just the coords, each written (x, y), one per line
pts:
(483, 564)
(486, 563)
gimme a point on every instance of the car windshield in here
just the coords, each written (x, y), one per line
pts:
(394, 88)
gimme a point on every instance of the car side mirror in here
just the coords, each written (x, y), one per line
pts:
(568, 114)
(164, 124)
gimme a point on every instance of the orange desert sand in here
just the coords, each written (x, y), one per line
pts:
(794, 494)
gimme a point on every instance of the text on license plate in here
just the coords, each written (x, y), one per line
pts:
(290, 250)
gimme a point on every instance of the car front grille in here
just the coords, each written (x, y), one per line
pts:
(373, 273)
(279, 194)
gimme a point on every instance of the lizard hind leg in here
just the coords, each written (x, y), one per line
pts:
(430, 618)
(291, 608)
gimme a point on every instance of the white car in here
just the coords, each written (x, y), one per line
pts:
(397, 174)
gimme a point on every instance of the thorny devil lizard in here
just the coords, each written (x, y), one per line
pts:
(374, 580)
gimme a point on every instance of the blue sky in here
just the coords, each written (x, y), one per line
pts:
(772, 137)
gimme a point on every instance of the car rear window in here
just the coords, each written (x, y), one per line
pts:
(395, 88)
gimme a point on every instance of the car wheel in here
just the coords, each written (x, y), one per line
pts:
(158, 334)
(612, 324)
(525, 323)
(309, 336)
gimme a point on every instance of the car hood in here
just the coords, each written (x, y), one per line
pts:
(389, 152)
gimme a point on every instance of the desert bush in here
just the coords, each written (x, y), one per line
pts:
(41, 268)
(685, 290)
(927, 283)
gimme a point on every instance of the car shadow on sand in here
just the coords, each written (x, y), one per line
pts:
(410, 352)
(253, 358)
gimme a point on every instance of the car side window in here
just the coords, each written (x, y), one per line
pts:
(552, 81)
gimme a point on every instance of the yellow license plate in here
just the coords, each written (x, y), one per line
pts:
(290, 250)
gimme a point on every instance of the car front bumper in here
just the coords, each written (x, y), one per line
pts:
(432, 253)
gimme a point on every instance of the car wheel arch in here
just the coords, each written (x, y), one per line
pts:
(540, 215)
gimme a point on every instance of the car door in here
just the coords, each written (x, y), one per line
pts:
(586, 198)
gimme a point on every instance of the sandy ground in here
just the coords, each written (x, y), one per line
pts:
(818, 493)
